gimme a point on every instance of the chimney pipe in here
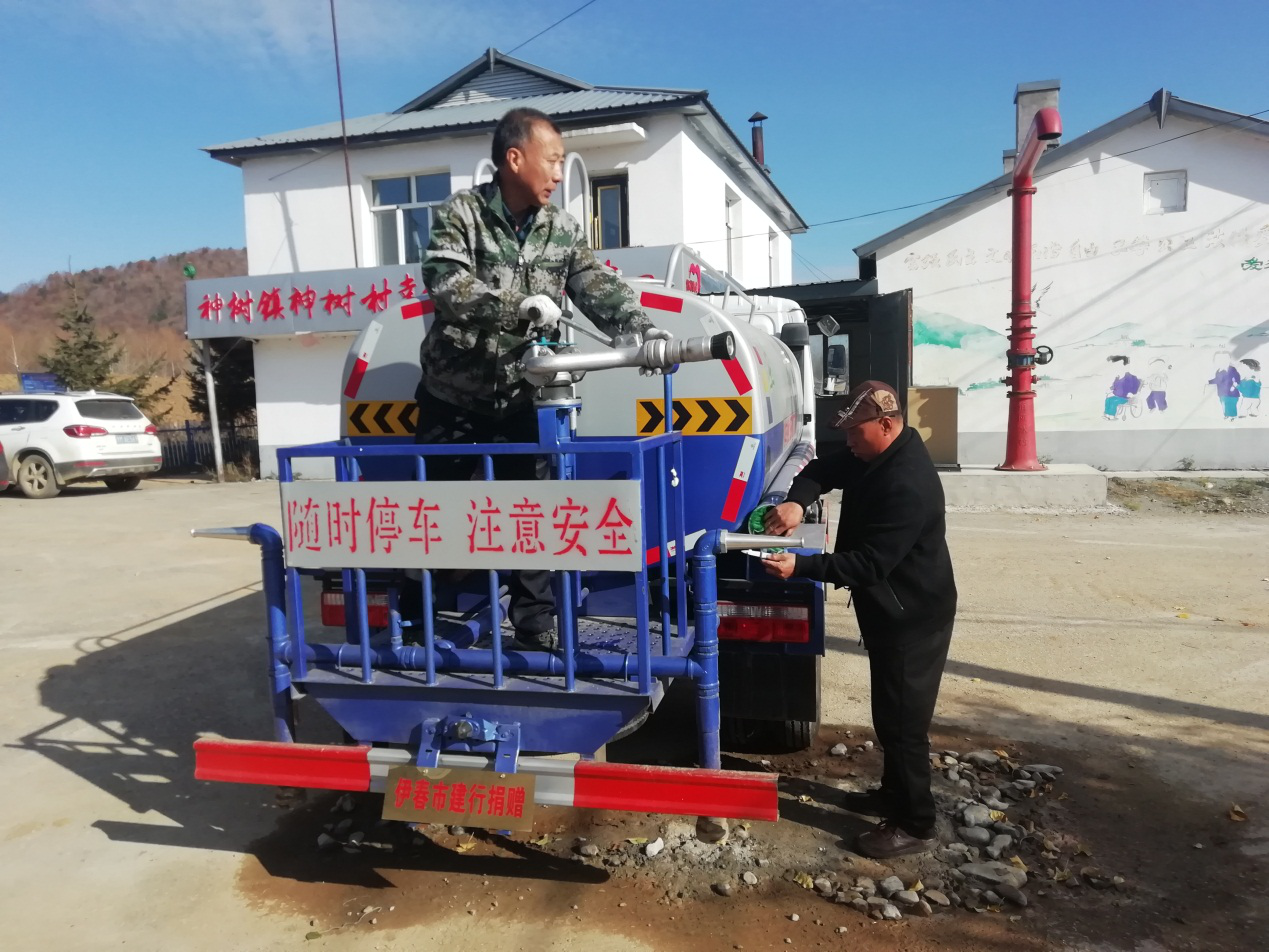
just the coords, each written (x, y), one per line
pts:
(759, 153)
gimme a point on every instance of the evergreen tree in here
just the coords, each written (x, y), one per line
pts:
(83, 359)
(233, 366)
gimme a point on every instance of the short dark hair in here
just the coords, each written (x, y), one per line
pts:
(515, 129)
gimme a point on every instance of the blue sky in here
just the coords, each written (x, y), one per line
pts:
(105, 103)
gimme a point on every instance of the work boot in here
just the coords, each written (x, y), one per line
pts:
(547, 640)
(711, 829)
(873, 802)
(888, 840)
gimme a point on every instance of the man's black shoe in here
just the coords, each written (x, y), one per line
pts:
(888, 841)
(547, 640)
(868, 802)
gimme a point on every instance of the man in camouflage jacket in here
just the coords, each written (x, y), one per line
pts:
(495, 250)
(484, 258)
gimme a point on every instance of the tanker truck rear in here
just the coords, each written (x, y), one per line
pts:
(649, 524)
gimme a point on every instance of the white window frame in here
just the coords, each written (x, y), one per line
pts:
(376, 210)
(731, 222)
(1158, 208)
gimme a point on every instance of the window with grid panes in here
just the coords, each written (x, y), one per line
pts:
(402, 208)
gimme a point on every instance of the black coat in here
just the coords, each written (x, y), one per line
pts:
(891, 548)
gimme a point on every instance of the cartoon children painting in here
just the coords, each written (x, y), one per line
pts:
(1225, 378)
(1122, 389)
(1249, 388)
(1157, 385)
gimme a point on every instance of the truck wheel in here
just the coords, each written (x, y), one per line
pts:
(797, 735)
(122, 484)
(36, 478)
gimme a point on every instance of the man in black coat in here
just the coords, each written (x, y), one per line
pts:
(891, 552)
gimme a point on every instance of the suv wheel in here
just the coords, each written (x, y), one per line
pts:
(122, 484)
(36, 478)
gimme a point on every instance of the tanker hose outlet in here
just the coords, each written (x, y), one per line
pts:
(722, 346)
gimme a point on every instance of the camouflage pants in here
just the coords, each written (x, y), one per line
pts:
(532, 609)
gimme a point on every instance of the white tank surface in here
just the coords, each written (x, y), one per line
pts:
(742, 419)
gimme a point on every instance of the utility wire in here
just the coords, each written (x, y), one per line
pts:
(996, 186)
(552, 26)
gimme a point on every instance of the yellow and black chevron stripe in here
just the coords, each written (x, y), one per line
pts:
(381, 417)
(697, 416)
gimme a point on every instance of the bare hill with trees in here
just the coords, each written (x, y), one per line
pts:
(143, 301)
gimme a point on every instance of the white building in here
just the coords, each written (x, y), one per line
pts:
(1151, 274)
(663, 168)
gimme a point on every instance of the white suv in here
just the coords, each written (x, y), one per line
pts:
(51, 439)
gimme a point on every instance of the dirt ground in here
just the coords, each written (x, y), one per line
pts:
(1197, 493)
(1126, 647)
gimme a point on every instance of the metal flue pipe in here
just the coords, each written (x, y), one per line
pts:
(1020, 453)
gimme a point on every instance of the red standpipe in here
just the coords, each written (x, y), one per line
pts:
(1020, 440)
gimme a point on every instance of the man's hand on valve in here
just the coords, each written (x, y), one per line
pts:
(542, 313)
(653, 353)
(779, 564)
(782, 519)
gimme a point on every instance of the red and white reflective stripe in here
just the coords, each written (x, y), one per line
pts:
(417, 308)
(654, 553)
(736, 794)
(362, 363)
(740, 478)
(662, 302)
(739, 379)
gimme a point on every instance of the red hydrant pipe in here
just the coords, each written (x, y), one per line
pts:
(1020, 439)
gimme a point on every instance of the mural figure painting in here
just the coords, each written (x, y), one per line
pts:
(1225, 378)
(1122, 390)
(1157, 385)
(1249, 389)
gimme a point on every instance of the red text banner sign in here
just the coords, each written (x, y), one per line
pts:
(460, 797)
(518, 524)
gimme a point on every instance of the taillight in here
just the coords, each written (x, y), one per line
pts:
(376, 609)
(780, 623)
(152, 430)
(83, 431)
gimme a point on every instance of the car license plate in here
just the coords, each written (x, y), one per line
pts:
(126, 438)
(460, 796)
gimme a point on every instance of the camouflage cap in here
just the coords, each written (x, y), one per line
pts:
(869, 400)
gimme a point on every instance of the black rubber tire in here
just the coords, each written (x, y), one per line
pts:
(36, 478)
(753, 736)
(798, 735)
(122, 484)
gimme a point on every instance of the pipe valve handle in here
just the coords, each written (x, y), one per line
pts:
(1043, 354)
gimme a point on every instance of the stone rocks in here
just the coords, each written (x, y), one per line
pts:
(976, 815)
(974, 835)
(1013, 894)
(999, 843)
(922, 909)
(992, 898)
(865, 887)
(588, 849)
(722, 889)
(907, 897)
(653, 848)
(981, 758)
(889, 886)
(860, 905)
(824, 887)
(891, 911)
(936, 897)
(996, 873)
(839, 750)
(750, 879)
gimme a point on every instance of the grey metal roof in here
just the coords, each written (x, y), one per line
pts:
(1160, 106)
(436, 114)
(426, 123)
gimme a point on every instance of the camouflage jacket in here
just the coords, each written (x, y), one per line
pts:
(477, 274)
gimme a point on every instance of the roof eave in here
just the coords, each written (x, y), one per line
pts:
(237, 156)
(793, 223)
